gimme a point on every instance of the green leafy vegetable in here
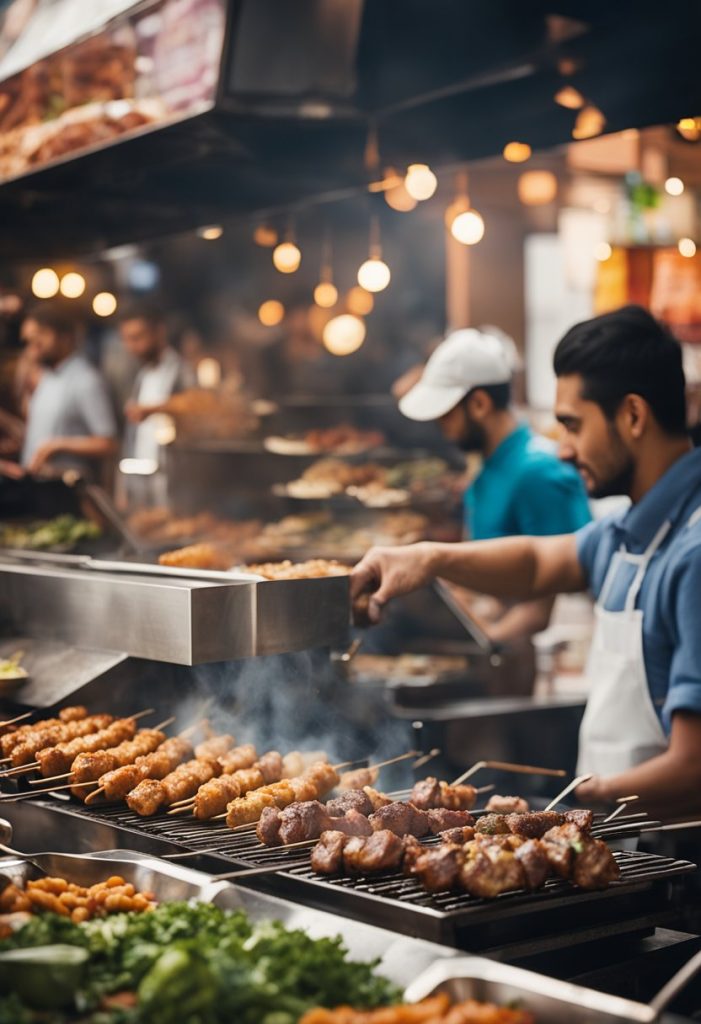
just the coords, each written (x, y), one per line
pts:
(198, 965)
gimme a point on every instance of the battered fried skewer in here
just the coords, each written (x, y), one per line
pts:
(115, 785)
(214, 796)
(24, 752)
(317, 780)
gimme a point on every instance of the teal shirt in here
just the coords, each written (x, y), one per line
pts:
(523, 489)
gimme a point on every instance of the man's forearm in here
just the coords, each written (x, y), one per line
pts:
(89, 447)
(668, 786)
(521, 568)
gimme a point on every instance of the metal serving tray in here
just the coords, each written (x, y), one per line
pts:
(401, 959)
(550, 1000)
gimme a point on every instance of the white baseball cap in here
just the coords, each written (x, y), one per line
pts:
(467, 359)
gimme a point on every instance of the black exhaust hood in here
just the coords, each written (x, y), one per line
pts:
(298, 83)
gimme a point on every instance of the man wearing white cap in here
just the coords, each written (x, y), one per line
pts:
(522, 488)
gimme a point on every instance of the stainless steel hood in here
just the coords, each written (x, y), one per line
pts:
(183, 620)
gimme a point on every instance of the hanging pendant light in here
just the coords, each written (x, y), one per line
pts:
(326, 292)
(464, 223)
(374, 275)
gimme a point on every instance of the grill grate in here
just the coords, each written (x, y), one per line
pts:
(556, 916)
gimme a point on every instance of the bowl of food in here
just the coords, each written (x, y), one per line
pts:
(12, 674)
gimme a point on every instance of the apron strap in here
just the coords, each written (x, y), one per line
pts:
(646, 559)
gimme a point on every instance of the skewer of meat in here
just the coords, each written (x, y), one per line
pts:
(233, 761)
(498, 804)
(533, 824)
(485, 867)
(368, 776)
(366, 813)
(151, 794)
(214, 796)
(215, 747)
(10, 740)
(317, 780)
(59, 758)
(432, 792)
(115, 785)
(23, 753)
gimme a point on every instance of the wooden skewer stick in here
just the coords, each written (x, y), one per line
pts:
(164, 724)
(17, 718)
(426, 758)
(268, 869)
(22, 770)
(141, 714)
(622, 804)
(507, 766)
(181, 810)
(568, 789)
(50, 778)
(393, 760)
(58, 789)
(95, 793)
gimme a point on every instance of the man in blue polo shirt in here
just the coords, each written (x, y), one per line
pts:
(522, 487)
(621, 402)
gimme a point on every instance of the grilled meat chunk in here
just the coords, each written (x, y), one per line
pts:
(402, 819)
(303, 820)
(534, 862)
(492, 825)
(459, 836)
(382, 851)
(580, 817)
(489, 870)
(533, 824)
(440, 819)
(560, 844)
(507, 804)
(353, 799)
(595, 867)
(268, 827)
(327, 855)
(431, 792)
(438, 868)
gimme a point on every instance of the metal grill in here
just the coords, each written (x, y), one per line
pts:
(554, 917)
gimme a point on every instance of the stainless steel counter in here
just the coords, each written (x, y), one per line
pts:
(184, 620)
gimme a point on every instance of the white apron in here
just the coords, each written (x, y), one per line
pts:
(620, 728)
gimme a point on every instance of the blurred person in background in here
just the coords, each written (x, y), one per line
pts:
(70, 420)
(163, 372)
(522, 488)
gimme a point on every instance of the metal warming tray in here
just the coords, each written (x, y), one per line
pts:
(401, 959)
(180, 618)
(551, 1001)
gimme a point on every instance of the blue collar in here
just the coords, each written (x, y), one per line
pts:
(675, 494)
(512, 443)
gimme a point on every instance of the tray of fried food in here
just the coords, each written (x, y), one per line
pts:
(438, 1009)
(57, 895)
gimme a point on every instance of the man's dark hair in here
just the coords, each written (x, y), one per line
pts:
(622, 353)
(500, 394)
(141, 309)
(59, 316)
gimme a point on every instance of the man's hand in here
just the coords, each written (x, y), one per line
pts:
(44, 453)
(388, 572)
(135, 413)
(12, 470)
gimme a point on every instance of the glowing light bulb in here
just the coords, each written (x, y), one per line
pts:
(72, 285)
(45, 283)
(211, 232)
(374, 275)
(468, 227)
(516, 152)
(420, 182)
(359, 301)
(674, 186)
(570, 98)
(164, 428)
(687, 247)
(326, 294)
(286, 257)
(344, 334)
(265, 236)
(590, 122)
(536, 188)
(208, 372)
(399, 199)
(270, 313)
(602, 251)
(104, 304)
(690, 128)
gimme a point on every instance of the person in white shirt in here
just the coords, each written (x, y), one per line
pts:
(163, 373)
